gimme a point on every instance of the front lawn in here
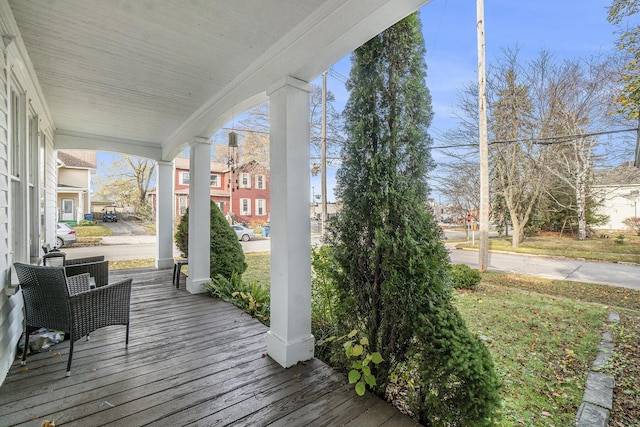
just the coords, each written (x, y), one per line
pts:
(93, 231)
(542, 346)
(612, 248)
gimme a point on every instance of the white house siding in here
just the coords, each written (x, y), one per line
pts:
(10, 307)
(14, 64)
(618, 203)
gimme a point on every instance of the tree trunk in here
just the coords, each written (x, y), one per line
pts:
(515, 232)
(581, 208)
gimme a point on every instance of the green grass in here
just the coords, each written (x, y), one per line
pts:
(259, 268)
(610, 296)
(93, 231)
(133, 263)
(542, 346)
(599, 249)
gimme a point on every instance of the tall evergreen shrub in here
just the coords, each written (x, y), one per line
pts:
(393, 272)
(226, 252)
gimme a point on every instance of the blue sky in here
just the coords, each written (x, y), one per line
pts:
(567, 28)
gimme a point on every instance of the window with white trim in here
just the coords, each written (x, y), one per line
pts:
(182, 204)
(184, 178)
(245, 180)
(261, 207)
(245, 206)
(260, 182)
(214, 180)
(220, 206)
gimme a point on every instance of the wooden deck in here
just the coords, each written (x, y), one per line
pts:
(192, 360)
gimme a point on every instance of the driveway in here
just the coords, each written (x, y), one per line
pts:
(125, 228)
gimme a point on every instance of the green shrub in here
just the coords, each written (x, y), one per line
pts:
(225, 251)
(84, 223)
(619, 239)
(326, 313)
(253, 298)
(455, 380)
(464, 277)
(182, 234)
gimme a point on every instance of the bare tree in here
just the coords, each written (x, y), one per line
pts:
(516, 159)
(577, 106)
(253, 145)
(460, 184)
(128, 182)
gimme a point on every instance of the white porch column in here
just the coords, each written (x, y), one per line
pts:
(289, 340)
(164, 215)
(199, 214)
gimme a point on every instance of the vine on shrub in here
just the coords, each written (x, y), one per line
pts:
(360, 371)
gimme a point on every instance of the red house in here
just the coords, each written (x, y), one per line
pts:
(241, 193)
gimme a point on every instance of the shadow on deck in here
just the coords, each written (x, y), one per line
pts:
(191, 360)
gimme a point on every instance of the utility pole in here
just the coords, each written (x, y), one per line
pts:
(483, 142)
(323, 138)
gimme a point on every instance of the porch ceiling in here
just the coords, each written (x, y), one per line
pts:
(147, 77)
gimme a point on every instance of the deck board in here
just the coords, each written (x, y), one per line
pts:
(192, 360)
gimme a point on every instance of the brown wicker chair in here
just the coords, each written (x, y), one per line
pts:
(50, 302)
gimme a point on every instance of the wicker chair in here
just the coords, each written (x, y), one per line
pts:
(96, 266)
(53, 301)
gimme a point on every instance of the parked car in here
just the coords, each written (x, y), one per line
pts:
(66, 236)
(110, 214)
(245, 234)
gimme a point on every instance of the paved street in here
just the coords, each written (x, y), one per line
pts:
(133, 245)
(624, 275)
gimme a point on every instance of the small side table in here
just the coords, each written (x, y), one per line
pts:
(177, 269)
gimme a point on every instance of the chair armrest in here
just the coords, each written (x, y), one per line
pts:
(104, 306)
(78, 283)
(84, 260)
(98, 270)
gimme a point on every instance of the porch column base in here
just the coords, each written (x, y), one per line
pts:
(165, 263)
(288, 354)
(194, 286)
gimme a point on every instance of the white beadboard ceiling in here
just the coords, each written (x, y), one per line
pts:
(148, 76)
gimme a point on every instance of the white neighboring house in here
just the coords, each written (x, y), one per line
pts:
(618, 202)
(75, 168)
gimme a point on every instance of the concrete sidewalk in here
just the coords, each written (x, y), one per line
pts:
(128, 240)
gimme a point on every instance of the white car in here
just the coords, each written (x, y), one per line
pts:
(245, 234)
(65, 235)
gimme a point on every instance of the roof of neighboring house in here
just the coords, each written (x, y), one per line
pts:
(99, 200)
(182, 163)
(78, 159)
(621, 175)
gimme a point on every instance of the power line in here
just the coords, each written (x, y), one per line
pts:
(335, 74)
(245, 130)
(564, 138)
(541, 141)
